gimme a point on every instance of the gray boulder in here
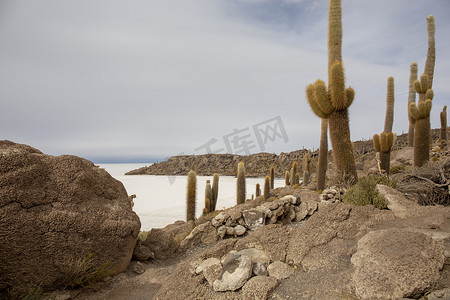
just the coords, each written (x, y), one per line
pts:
(236, 271)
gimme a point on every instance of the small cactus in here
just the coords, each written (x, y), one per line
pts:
(240, 197)
(191, 195)
(272, 177)
(297, 178)
(266, 188)
(215, 191)
(258, 190)
(383, 144)
(208, 197)
(305, 178)
(293, 172)
(286, 178)
(443, 131)
(306, 161)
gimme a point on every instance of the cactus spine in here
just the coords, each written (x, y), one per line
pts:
(323, 154)
(272, 177)
(443, 131)
(240, 184)
(266, 188)
(258, 190)
(411, 98)
(422, 110)
(293, 172)
(208, 198)
(286, 178)
(334, 102)
(215, 191)
(191, 195)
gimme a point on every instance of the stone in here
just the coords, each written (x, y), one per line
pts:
(54, 212)
(302, 212)
(142, 252)
(312, 208)
(235, 213)
(397, 202)
(396, 263)
(206, 263)
(267, 212)
(439, 295)
(161, 243)
(212, 273)
(259, 269)
(218, 220)
(228, 256)
(204, 233)
(236, 272)
(280, 270)
(222, 231)
(276, 214)
(256, 255)
(271, 205)
(239, 230)
(230, 230)
(259, 288)
(291, 199)
(138, 267)
(254, 218)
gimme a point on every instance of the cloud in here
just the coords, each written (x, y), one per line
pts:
(115, 79)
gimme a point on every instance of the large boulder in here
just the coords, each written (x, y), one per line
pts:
(59, 217)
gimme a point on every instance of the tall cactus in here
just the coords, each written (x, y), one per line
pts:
(443, 131)
(389, 117)
(191, 195)
(431, 53)
(272, 177)
(258, 190)
(266, 188)
(323, 154)
(411, 98)
(286, 178)
(293, 172)
(306, 161)
(208, 198)
(240, 197)
(215, 191)
(305, 178)
(333, 103)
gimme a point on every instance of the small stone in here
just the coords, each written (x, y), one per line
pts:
(312, 207)
(239, 230)
(206, 263)
(213, 271)
(221, 231)
(142, 252)
(228, 256)
(219, 219)
(280, 270)
(256, 255)
(291, 214)
(254, 218)
(259, 287)
(230, 223)
(230, 230)
(235, 213)
(260, 269)
(138, 267)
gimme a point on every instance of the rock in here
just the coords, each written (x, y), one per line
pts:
(212, 273)
(260, 269)
(302, 212)
(206, 263)
(236, 272)
(204, 233)
(161, 243)
(239, 230)
(138, 267)
(397, 202)
(230, 230)
(280, 270)
(396, 263)
(228, 256)
(295, 200)
(256, 255)
(440, 294)
(218, 220)
(254, 218)
(312, 208)
(142, 252)
(222, 231)
(267, 212)
(235, 212)
(259, 287)
(56, 211)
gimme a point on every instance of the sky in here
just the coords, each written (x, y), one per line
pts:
(138, 81)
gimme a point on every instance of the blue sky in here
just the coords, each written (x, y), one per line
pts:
(143, 80)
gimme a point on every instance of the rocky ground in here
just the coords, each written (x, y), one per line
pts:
(298, 244)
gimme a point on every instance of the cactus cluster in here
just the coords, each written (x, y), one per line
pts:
(191, 195)
(333, 102)
(240, 197)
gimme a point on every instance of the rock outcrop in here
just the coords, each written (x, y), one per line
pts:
(58, 215)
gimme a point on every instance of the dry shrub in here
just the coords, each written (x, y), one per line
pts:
(365, 192)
